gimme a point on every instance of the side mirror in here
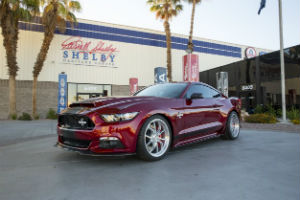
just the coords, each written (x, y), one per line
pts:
(197, 96)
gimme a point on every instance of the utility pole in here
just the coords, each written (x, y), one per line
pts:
(282, 63)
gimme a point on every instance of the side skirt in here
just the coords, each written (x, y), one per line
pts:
(197, 139)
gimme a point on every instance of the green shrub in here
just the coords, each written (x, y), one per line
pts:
(296, 121)
(14, 116)
(36, 117)
(270, 110)
(51, 114)
(259, 109)
(25, 116)
(261, 118)
(278, 113)
(293, 114)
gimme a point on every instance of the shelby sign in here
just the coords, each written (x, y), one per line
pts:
(79, 51)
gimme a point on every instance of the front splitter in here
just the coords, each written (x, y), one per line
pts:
(90, 153)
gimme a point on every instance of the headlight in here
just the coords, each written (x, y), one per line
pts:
(119, 117)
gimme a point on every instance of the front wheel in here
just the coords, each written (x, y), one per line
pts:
(232, 131)
(154, 139)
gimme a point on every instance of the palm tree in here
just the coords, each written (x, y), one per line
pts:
(165, 10)
(190, 42)
(56, 13)
(11, 12)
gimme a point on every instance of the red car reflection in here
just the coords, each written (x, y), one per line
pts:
(156, 119)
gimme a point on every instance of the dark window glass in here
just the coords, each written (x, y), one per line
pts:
(205, 91)
(167, 90)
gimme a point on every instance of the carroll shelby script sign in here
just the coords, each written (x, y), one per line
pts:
(80, 51)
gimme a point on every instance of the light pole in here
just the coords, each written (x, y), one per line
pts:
(282, 63)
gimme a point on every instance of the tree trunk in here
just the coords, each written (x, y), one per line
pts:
(38, 68)
(10, 31)
(38, 65)
(169, 56)
(50, 27)
(34, 92)
(190, 42)
(12, 96)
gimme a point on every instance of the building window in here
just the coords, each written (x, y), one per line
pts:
(79, 91)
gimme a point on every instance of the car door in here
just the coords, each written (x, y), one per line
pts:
(214, 116)
(201, 111)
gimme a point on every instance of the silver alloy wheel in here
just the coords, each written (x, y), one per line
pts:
(234, 125)
(157, 137)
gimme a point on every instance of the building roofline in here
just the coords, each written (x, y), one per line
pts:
(173, 34)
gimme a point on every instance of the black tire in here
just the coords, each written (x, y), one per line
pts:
(141, 150)
(230, 132)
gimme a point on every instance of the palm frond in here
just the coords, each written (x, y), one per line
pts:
(71, 18)
(74, 6)
(165, 9)
(191, 1)
(62, 9)
(48, 8)
(61, 24)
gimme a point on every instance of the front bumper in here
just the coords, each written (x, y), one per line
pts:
(94, 141)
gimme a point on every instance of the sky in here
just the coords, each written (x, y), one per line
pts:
(234, 21)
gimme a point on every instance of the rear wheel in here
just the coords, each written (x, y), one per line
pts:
(233, 126)
(154, 139)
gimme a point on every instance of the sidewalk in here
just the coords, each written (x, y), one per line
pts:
(14, 131)
(273, 127)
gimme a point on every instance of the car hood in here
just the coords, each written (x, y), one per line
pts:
(110, 104)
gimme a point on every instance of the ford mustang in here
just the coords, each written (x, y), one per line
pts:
(150, 123)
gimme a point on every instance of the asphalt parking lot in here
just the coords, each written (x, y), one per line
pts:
(259, 165)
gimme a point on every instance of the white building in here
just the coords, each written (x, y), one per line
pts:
(99, 56)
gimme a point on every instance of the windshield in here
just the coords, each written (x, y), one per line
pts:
(167, 90)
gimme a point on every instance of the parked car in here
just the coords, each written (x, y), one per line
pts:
(155, 119)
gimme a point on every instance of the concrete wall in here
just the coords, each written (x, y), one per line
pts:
(46, 97)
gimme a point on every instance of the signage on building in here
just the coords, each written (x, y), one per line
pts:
(133, 82)
(248, 87)
(250, 52)
(160, 75)
(262, 53)
(62, 92)
(79, 51)
(191, 68)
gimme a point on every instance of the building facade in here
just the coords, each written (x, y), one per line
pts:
(99, 59)
(258, 80)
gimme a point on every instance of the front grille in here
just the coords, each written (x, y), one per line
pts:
(79, 122)
(75, 143)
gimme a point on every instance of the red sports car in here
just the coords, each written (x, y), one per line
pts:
(150, 122)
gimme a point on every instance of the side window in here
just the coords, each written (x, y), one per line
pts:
(205, 91)
(211, 93)
(194, 89)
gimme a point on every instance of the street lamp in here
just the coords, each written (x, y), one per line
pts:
(282, 63)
